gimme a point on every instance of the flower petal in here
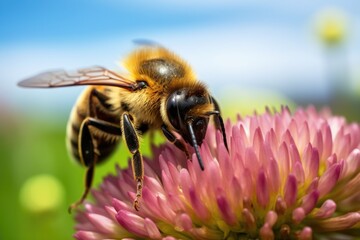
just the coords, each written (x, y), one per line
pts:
(131, 222)
(290, 191)
(87, 235)
(298, 215)
(305, 234)
(326, 210)
(339, 223)
(262, 190)
(266, 232)
(225, 209)
(151, 229)
(328, 180)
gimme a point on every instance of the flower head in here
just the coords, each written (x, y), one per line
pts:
(285, 176)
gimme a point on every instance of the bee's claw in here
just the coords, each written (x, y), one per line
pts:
(136, 204)
(73, 206)
(138, 194)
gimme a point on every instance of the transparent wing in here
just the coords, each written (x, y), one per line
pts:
(86, 76)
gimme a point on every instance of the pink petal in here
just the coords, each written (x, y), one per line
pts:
(192, 196)
(280, 206)
(331, 160)
(226, 211)
(169, 238)
(183, 222)
(102, 223)
(326, 210)
(309, 201)
(318, 142)
(298, 215)
(328, 180)
(169, 185)
(262, 190)
(340, 223)
(250, 224)
(271, 218)
(198, 205)
(226, 167)
(293, 128)
(151, 229)
(150, 203)
(328, 143)
(87, 235)
(266, 232)
(153, 185)
(290, 190)
(284, 159)
(247, 183)
(258, 139)
(272, 140)
(305, 234)
(311, 162)
(305, 136)
(251, 161)
(213, 175)
(351, 164)
(265, 154)
(342, 147)
(294, 154)
(279, 125)
(235, 193)
(166, 211)
(274, 176)
(120, 205)
(287, 138)
(254, 125)
(299, 173)
(131, 222)
(313, 185)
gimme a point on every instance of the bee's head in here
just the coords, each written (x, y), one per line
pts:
(188, 111)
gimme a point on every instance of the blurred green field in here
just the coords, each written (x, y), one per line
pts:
(29, 150)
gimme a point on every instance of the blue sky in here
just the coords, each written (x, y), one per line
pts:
(247, 44)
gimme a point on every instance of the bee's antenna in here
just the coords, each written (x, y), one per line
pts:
(195, 145)
(223, 130)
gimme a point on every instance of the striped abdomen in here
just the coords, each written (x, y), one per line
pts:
(88, 105)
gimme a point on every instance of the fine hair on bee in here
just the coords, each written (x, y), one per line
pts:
(159, 92)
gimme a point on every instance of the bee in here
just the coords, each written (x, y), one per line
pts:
(160, 91)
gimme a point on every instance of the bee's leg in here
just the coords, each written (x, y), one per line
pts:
(177, 142)
(132, 141)
(88, 182)
(88, 151)
(219, 123)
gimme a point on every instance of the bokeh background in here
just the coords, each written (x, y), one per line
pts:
(251, 54)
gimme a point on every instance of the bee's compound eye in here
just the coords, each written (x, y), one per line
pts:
(141, 84)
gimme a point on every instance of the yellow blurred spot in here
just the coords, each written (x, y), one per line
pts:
(331, 26)
(41, 193)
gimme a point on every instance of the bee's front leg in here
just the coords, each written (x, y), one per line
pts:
(177, 142)
(132, 141)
